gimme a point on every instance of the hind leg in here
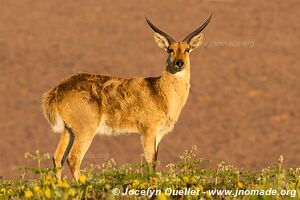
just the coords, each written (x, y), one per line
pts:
(81, 114)
(82, 142)
(59, 153)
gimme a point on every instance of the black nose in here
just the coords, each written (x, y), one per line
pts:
(179, 63)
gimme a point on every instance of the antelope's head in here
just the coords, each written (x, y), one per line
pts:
(178, 52)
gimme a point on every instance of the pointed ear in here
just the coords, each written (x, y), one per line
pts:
(161, 41)
(196, 41)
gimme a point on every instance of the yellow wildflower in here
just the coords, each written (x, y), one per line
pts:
(82, 179)
(135, 183)
(28, 194)
(207, 195)
(185, 179)
(46, 182)
(9, 191)
(49, 178)
(107, 186)
(89, 187)
(62, 184)
(193, 180)
(199, 187)
(240, 185)
(162, 196)
(48, 193)
(154, 179)
(71, 192)
(143, 185)
(152, 187)
(37, 189)
(3, 190)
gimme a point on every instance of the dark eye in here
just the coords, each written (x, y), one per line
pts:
(187, 50)
(169, 50)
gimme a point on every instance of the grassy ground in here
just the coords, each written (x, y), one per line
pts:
(188, 179)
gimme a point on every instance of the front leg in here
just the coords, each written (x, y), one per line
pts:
(155, 155)
(159, 136)
(149, 146)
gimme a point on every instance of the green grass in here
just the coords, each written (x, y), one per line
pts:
(191, 173)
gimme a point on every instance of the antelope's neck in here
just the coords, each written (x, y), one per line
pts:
(176, 88)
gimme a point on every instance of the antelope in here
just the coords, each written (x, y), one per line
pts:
(84, 105)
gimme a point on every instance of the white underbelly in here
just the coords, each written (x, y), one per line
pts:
(104, 129)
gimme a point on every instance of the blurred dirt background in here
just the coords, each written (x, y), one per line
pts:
(244, 104)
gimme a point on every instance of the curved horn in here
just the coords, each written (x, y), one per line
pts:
(197, 31)
(171, 40)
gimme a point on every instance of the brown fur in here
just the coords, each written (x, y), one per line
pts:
(87, 104)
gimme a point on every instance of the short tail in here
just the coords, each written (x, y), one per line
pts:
(49, 105)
